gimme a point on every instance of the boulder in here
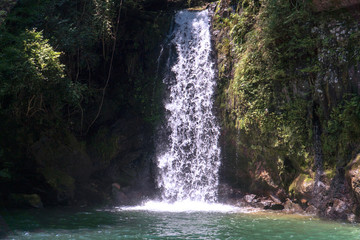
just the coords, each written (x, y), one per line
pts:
(275, 199)
(239, 203)
(351, 218)
(25, 200)
(250, 198)
(312, 210)
(118, 196)
(64, 164)
(290, 206)
(302, 187)
(228, 194)
(338, 209)
(353, 177)
(277, 207)
(263, 203)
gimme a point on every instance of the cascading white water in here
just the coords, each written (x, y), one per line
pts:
(188, 168)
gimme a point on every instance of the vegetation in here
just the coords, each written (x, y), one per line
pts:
(278, 92)
(70, 69)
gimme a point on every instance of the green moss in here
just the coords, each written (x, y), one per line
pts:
(26, 200)
(59, 180)
(330, 173)
(105, 145)
(298, 182)
(267, 85)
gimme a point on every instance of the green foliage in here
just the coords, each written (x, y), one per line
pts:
(276, 82)
(269, 58)
(342, 131)
(33, 84)
(61, 63)
(268, 98)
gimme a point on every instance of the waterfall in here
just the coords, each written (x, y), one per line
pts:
(188, 164)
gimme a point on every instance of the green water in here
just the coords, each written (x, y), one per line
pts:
(118, 224)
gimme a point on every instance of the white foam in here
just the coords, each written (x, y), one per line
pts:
(188, 168)
(183, 206)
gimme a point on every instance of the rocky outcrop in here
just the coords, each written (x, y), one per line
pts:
(353, 177)
(64, 164)
(302, 187)
(84, 173)
(330, 198)
(126, 163)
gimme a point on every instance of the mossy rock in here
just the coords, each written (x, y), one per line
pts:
(62, 183)
(26, 200)
(302, 186)
(104, 145)
(353, 176)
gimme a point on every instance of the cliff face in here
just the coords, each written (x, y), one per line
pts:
(288, 87)
(98, 150)
(288, 100)
(80, 96)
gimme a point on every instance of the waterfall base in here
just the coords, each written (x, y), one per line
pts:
(184, 206)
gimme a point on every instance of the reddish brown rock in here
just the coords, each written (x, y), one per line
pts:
(312, 210)
(302, 187)
(290, 206)
(353, 177)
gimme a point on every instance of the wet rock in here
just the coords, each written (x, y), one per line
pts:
(338, 209)
(216, 33)
(351, 218)
(339, 206)
(228, 194)
(302, 186)
(115, 186)
(276, 207)
(281, 195)
(240, 203)
(353, 177)
(312, 210)
(264, 179)
(118, 196)
(264, 203)
(290, 206)
(275, 199)
(249, 198)
(135, 197)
